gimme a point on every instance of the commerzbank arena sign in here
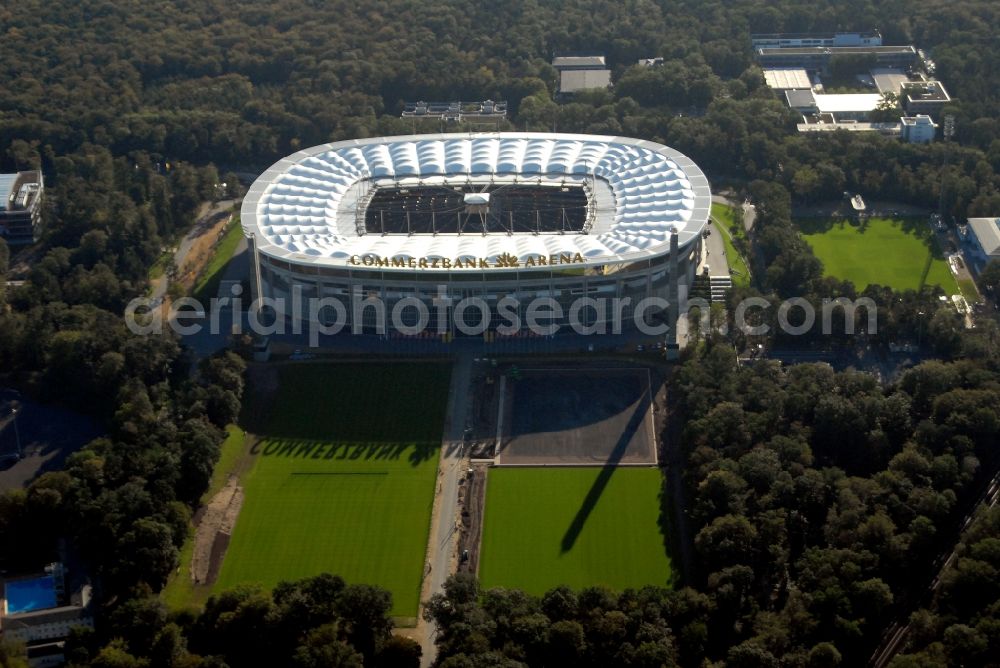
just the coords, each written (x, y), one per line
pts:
(502, 261)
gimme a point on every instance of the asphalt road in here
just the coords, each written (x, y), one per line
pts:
(45, 435)
(715, 252)
(201, 226)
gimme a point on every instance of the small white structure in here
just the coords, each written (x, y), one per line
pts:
(919, 129)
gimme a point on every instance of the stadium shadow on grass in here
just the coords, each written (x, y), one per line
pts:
(417, 453)
(551, 400)
(601, 482)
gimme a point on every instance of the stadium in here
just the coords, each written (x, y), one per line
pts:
(427, 224)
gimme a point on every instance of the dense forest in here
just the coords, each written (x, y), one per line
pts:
(818, 497)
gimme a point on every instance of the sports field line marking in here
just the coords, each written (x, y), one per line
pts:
(339, 473)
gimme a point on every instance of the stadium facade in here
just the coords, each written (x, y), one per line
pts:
(501, 219)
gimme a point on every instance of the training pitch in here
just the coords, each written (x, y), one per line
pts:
(343, 477)
(898, 253)
(579, 526)
(589, 416)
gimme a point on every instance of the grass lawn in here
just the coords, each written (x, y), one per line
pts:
(160, 266)
(180, 592)
(969, 290)
(343, 478)
(574, 526)
(898, 253)
(208, 281)
(726, 223)
(724, 214)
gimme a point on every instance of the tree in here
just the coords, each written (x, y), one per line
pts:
(116, 655)
(887, 110)
(401, 652)
(988, 281)
(727, 540)
(566, 641)
(13, 654)
(324, 649)
(965, 645)
(824, 655)
(364, 610)
(148, 555)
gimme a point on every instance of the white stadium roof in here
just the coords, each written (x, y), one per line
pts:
(304, 208)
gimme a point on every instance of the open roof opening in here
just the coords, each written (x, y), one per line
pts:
(478, 209)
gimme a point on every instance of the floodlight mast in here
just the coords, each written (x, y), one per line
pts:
(17, 433)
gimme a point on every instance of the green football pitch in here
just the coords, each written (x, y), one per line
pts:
(898, 253)
(576, 526)
(343, 478)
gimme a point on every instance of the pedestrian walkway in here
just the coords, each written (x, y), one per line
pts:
(441, 550)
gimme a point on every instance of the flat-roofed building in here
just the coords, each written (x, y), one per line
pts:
(578, 62)
(20, 206)
(826, 123)
(818, 58)
(579, 73)
(924, 97)
(984, 233)
(889, 79)
(39, 611)
(574, 81)
(790, 40)
(848, 106)
(918, 129)
(840, 107)
(787, 78)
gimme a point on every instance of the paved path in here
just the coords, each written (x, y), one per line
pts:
(749, 210)
(207, 216)
(444, 527)
(715, 253)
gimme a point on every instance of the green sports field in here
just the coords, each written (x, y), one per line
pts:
(898, 253)
(343, 478)
(576, 526)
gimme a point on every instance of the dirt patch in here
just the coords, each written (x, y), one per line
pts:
(212, 534)
(473, 501)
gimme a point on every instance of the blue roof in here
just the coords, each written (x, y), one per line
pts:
(7, 182)
(30, 594)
